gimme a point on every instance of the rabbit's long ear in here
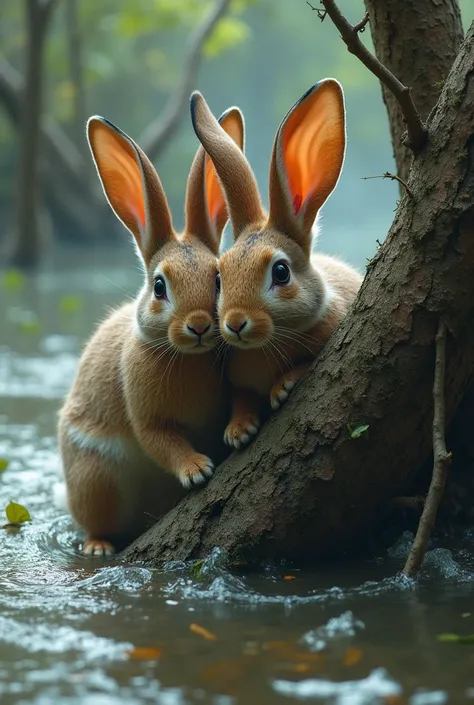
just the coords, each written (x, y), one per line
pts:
(206, 210)
(307, 159)
(131, 185)
(234, 171)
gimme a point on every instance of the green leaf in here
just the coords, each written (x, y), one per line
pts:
(196, 569)
(457, 638)
(16, 513)
(4, 463)
(70, 304)
(358, 431)
(13, 280)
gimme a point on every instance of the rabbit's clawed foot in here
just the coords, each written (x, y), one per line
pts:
(281, 390)
(97, 547)
(240, 431)
(196, 471)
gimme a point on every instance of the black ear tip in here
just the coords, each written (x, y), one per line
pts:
(232, 109)
(310, 90)
(193, 107)
(110, 124)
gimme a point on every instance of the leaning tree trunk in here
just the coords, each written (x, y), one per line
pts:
(417, 40)
(305, 487)
(26, 235)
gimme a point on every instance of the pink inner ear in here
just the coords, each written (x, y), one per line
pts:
(138, 213)
(297, 200)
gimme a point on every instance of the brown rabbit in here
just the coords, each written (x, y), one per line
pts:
(278, 303)
(147, 401)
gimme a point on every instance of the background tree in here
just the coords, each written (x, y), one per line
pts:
(75, 202)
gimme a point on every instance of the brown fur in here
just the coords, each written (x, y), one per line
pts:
(277, 329)
(148, 399)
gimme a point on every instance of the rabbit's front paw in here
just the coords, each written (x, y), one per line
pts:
(97, 547)
(281, 390)
(240, 431)
(196, 471)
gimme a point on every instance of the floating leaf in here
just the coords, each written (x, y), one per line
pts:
(358, 431)
(144, 653)
(352, 657)
(197, 629)
(70, 304)
(4, 463)
(13, 280)
(16, 513)
(289, 577)
(458, 638)
(301, 668)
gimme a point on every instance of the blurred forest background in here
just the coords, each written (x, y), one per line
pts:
(136, 62)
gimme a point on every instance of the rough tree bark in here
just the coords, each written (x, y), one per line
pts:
(315, 481)
(434, 34)
(26, 237)
(418, 41)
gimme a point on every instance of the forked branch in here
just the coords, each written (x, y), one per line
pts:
(441, 462)
(416, 130)
(156, 136)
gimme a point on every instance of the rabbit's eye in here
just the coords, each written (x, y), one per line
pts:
(218, 282)
(280, 273)
(159, 288)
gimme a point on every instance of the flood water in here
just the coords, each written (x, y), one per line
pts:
(96, 631)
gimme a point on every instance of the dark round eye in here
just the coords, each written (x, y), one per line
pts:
(218, 282)
(160, 288)
(280, 273)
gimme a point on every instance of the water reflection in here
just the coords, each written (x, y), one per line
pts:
(95, 631)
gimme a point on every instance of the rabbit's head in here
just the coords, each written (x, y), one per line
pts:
(177, 305)
(267, 283)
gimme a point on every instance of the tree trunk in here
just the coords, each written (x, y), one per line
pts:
(418, 41)
(75, 65)
(305, 488)
(26, 243)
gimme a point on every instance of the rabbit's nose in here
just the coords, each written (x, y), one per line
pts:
(238, 329)
(198, 328)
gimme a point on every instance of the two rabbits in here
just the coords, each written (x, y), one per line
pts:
(149, 400)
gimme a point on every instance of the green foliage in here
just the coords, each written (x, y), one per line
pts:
(4, 463)
(457, 638)
(70, 304)
(229, 32)
(26, 321)
(17, 513)
(13, 280)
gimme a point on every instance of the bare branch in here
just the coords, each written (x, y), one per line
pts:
(392, 177)
(416, 130)
(155, 137)
(441, 461)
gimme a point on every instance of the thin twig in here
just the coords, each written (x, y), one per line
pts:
(441, 462)
(416, 130)
(157, 135)
(393, 177)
